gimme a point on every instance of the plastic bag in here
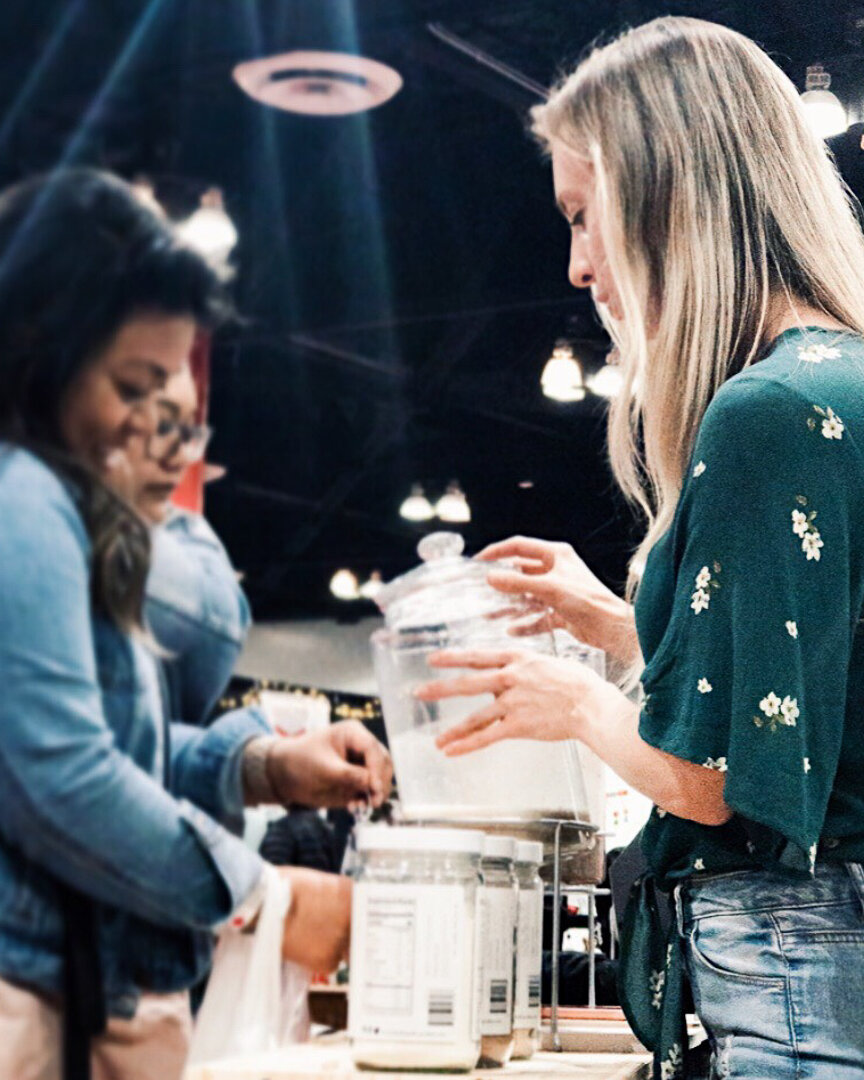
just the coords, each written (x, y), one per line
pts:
(255, 1001)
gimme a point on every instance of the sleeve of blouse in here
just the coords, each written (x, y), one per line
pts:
(751, 675)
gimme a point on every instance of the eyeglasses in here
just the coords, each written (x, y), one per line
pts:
(172, 437)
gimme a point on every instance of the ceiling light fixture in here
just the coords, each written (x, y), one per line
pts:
(606, 382)
(562, 378)
(318, 83)
(825, 115)
(209, 230)
(417, 507)
(344, 585)
(453, 506)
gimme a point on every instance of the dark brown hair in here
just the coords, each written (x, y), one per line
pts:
(81, 254)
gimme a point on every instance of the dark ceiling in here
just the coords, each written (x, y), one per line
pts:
(401, 273)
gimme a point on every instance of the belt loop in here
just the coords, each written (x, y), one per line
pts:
(856, 873)
(679, 907)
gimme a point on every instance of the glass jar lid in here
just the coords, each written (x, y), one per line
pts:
(499, 847)
(446, 588)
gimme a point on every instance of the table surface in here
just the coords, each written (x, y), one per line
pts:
(331, 1061)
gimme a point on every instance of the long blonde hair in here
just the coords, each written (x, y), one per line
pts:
(715, 200)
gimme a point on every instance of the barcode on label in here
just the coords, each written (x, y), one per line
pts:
(498, 996)
(534, 991)
(441, 1010)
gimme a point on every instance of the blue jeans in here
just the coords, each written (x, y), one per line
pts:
(777, 970)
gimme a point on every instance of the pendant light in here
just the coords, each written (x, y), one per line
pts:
(825, 115)
(417, 507)
(562, 378)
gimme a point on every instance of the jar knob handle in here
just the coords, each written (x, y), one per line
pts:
(441, 545)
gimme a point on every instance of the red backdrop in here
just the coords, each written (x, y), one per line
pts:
(190, 493)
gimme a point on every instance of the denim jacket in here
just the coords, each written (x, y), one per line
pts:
(197, 612)
(82, 746)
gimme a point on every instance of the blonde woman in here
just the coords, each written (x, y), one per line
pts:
(727, 265)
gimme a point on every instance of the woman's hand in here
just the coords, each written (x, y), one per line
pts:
(339, 766)
(566, 594)
(317, 928)
(536, 697)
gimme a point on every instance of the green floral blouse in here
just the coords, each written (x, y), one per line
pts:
(749, 617)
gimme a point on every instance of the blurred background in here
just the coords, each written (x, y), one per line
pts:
(400, 269)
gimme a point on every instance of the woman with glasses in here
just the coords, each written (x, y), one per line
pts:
(195, 607)
(117, 857)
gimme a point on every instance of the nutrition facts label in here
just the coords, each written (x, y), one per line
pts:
(497, 922)
(412, 972)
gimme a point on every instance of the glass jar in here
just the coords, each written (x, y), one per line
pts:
(498, 904)
(412, 986)
(529, 949)
(447, 603)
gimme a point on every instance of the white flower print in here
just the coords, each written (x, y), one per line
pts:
(811, 544)
(790, 710)
(656, 983)
(670, 1069)
(700, 468)
(704, 687)
(701, 600)
(815, 354)
(660, 813)
(792, 628)
(717, 764)
(807, 765)
(802, 525)
(777, 712)
(698, 865)
(832, 426)
(799, 523)
(813, 850)
(705, 581)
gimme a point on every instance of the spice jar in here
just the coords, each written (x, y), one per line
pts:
(498, 902)
(529, 949)
(412, 989)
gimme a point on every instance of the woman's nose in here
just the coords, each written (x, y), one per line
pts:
(580, 271)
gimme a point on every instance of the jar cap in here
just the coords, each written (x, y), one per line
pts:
(445, 588)
(417, 838)
(499, 847)
(529, 851)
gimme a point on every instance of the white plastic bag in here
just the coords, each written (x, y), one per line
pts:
(255, 1002)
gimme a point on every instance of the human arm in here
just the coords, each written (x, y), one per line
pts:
(541, 697)
(72, 800)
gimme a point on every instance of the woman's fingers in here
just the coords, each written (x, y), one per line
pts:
(467, 686)
(471, 658)
(515, 581)
(523, 546)
(476, 722)
(488, 735)
(543, 625)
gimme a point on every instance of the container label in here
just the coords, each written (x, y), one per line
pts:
(529, 958)
(498, 925)
(412, 968)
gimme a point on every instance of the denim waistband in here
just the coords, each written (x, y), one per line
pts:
(742, 891)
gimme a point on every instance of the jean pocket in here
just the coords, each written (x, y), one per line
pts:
(738, 948)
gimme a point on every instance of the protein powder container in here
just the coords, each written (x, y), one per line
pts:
(497, 935)
(412, 987)
(529, 949)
